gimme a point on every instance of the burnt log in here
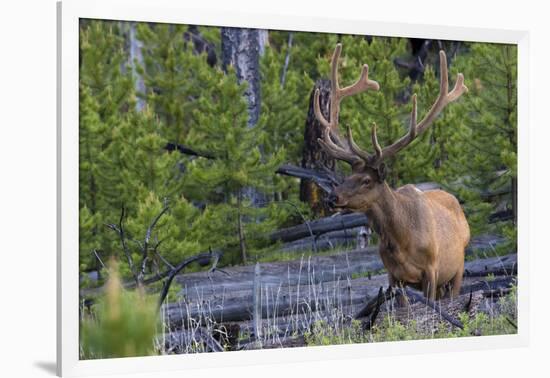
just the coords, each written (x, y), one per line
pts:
(321, 226)
(313, 156)
(324, 179)
(499, 265)
(329, 240)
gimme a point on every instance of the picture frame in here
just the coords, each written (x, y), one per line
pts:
(70, 12)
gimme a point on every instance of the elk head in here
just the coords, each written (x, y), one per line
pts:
(367, 181)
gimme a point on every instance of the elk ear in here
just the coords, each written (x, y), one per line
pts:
(381, 172)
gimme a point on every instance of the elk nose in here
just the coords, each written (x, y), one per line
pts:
(332, 199)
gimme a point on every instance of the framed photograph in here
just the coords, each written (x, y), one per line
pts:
(287, 188)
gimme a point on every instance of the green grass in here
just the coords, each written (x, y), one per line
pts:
(274, 254)
(367, 274)
(389, 329)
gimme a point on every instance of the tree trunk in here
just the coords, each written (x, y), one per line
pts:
(242, 48)
(242, 242)
(514, 188)
(136, 57)
(313, 157)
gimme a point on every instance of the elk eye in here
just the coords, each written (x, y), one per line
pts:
(366, 181)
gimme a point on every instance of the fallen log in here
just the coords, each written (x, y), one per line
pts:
(281, 302)
(319, 227)
(498, 265)
(328, 240)
(285, 331)
(326, 180)
(276, 302)
(473, 269)
(501, 283)
(322, 268)
(295, 295)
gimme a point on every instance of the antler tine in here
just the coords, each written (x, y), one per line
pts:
(459, 89)
(336, 151)
(331, 141)
(356, 149)
(376, 145)
(362, 84)
(443, 99)
(334, 94)
(414, 113)
(335, 86)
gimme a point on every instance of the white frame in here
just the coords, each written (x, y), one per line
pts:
(68, 363)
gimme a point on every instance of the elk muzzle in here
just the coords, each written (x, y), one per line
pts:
(334, 200)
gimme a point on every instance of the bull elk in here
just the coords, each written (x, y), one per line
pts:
(423, 235)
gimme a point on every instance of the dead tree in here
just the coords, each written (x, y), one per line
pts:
(201, 45)
(150, 255)
(313, 156)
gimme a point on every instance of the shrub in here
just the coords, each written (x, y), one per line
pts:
(121, 324)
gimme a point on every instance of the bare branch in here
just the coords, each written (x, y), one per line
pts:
(178, 268)
(144, 254)
(94, 251)
(120, 231)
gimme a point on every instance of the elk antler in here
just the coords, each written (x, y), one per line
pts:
(349, 151)
(443, 99)
(331, 141)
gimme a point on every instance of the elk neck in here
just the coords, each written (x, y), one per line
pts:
(387, 215)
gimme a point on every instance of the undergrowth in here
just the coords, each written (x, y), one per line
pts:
(500, 320)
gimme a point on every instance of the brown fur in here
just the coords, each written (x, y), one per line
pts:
(423, 235)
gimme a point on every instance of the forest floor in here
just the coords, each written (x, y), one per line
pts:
(316, 299)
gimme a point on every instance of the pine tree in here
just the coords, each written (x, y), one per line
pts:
(174, 78)
(102, 68)
(105, 94)
(491, 109)
(137, 173)
(224, 131)
(282, 114)
(437, 154)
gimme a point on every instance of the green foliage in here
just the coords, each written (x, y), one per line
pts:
(223, 129)
(102, 59)
(284, 105)
(489, 151)
(105, 95)
(306, 49)
(173, 76)
(123, 161)
(121, 324)
(389, 329)
(322, 334)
